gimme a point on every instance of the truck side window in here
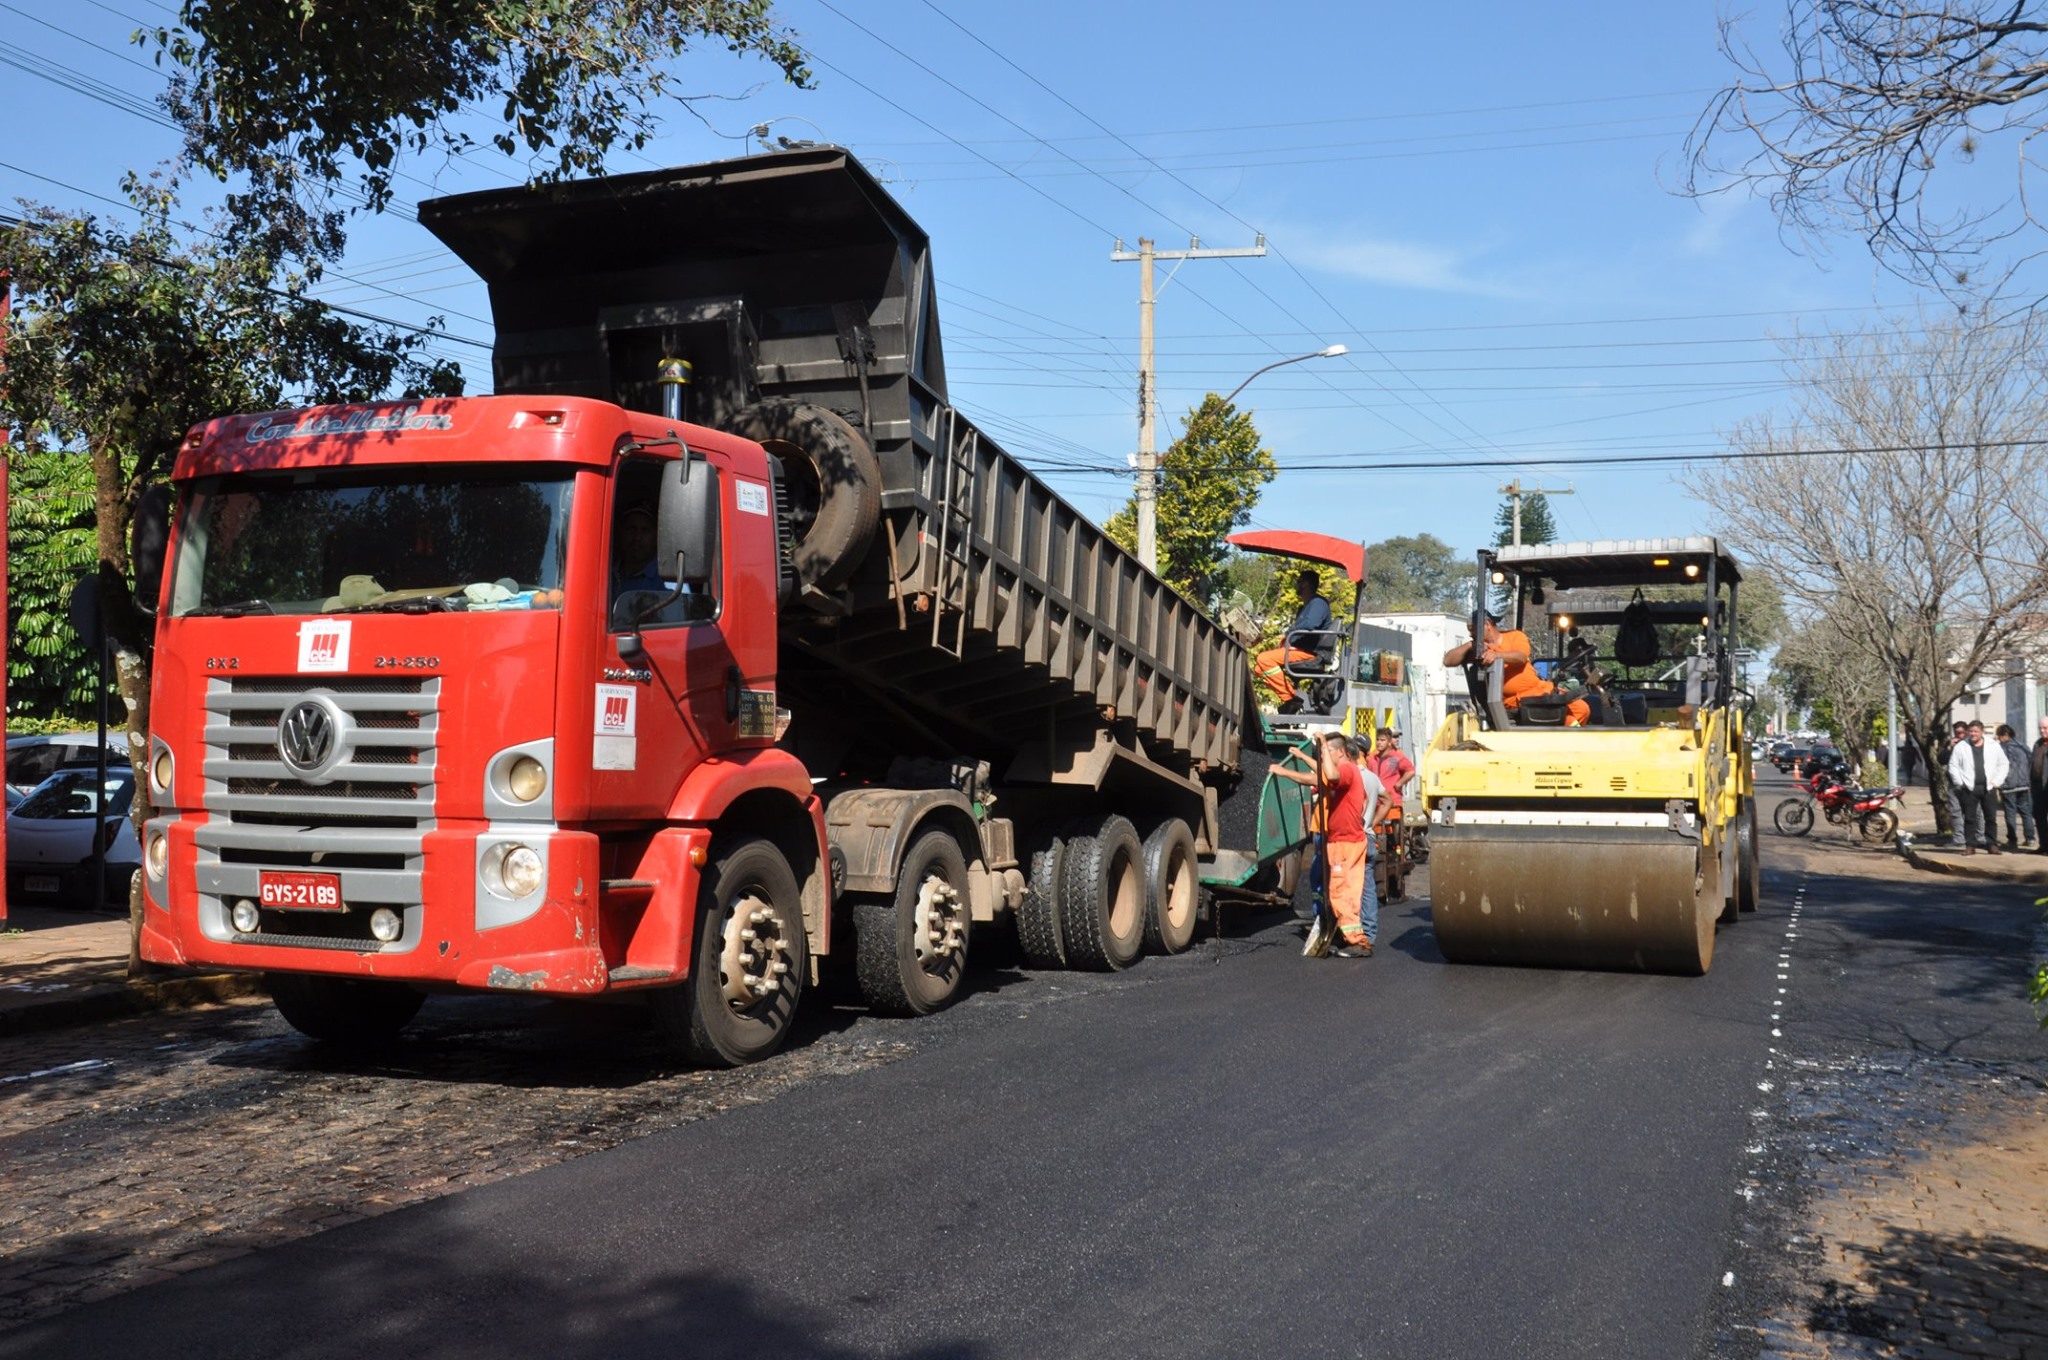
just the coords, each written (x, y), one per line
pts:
(643, 591)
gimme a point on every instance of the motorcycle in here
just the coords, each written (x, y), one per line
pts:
(1868, 810)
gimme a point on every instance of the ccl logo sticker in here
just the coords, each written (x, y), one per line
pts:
(615, 744)
(323, 645)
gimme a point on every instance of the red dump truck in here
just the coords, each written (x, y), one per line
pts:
(559, 692)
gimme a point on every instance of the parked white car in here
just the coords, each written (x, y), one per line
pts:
(50, 839)
(31, 760)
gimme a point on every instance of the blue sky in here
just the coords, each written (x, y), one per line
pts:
(1476, 201)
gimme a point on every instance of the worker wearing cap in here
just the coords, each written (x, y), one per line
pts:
(1308, 632)
(1518, 679)
(1395, 772)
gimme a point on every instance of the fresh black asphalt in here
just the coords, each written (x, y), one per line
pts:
(1235, 1152)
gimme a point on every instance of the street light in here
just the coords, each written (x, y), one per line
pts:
(1148, 464)
(1329, 352)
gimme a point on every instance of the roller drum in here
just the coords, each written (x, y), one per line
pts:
(1628, 899)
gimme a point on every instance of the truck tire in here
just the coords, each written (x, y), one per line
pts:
(351, 1012)
(752, 957)
(1102, 896)
(1038, 915)
(1173, 887)
(910, 952)
(833, 482)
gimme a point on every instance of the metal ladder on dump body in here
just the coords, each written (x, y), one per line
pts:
(959, 478)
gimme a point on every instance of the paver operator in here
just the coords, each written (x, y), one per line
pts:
(1302, 642)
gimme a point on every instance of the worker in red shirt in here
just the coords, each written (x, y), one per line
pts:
(1348, 798)
(1395, 773)
(1518, 679)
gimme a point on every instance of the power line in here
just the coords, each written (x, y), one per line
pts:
(1649, 460)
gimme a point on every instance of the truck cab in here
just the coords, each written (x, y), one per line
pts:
(402, 657)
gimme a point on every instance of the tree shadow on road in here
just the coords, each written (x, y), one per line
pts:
(330, 1300)
(1952, 1291)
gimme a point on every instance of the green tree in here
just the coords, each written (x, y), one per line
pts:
(50, 546)
(121, 341)
(1416, 573)
(319, 90)
(1538, 526)
(1209, 481)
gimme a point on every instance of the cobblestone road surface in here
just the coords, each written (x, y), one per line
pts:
(133, 1151)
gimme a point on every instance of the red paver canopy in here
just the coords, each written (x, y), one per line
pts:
(1347, 557)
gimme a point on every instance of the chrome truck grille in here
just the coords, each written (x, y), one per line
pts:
(327, 776)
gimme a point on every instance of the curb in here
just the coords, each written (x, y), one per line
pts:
(2031, 877)
(118, 1000)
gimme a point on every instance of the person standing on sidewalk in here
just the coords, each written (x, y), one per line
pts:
(1976, 768)
(2015, 794)
(1395, 772)
(2037, 769)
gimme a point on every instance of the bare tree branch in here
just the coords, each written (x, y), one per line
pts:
(1847, 128)
(1922, 564)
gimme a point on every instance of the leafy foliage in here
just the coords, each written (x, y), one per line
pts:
(2037, 989)
(50, 669)
(269, 88)
(1209, 482)
(1421, 572)
(121, 341)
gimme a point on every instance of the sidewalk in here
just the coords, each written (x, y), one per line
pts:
(61, 967)
(1919, 845)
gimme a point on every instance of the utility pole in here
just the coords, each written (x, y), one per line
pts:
(1516, 491)
(1147, 459)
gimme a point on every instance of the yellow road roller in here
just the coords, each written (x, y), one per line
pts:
(1593, 807)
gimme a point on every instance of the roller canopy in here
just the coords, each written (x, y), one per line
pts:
(1619, 562)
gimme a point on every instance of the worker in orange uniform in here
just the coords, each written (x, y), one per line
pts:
(1518, 679)
(1350, 796)
(1395, 773)
(1305, 640)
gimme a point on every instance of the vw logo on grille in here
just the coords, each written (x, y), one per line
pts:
(307, 736)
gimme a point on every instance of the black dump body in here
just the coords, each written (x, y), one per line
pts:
(986, 616)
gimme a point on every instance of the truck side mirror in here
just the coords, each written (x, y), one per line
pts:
(686, 532)
(149, 539)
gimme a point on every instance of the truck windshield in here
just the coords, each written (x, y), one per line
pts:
(371, 541)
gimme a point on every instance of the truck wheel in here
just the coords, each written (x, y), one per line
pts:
(832, 479)
(1038, 915)
(911, 953)
(1749, 870)
(1102, 896)
(748, 971)
(1173, 887)
(349, 1011)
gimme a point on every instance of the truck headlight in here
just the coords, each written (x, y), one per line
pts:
(527, 779)
(159, 854)
(160, 770)
(513, 870)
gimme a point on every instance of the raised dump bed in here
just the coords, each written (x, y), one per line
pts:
(944, 597)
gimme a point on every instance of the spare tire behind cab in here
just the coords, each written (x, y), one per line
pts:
(832, 483)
